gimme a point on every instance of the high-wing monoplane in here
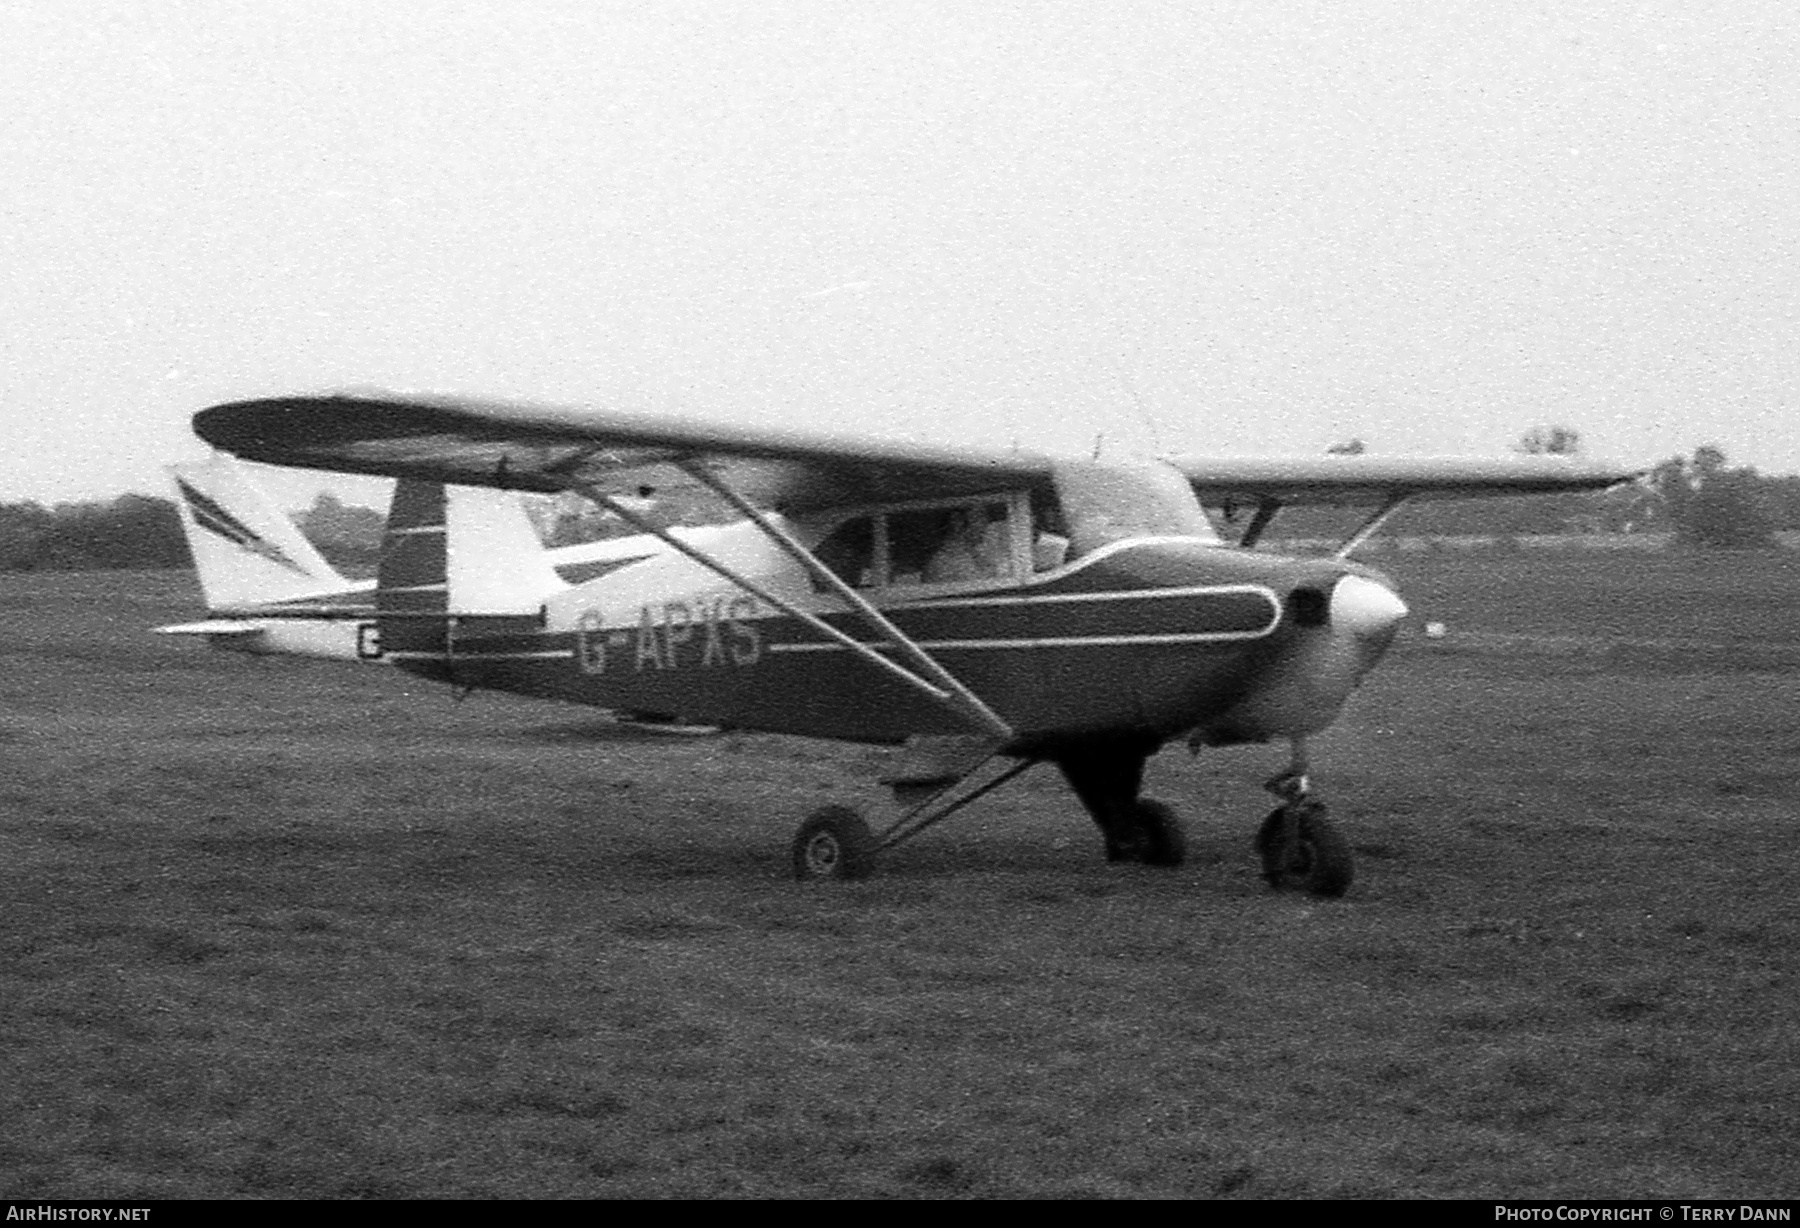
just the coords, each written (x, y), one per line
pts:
(989, 609)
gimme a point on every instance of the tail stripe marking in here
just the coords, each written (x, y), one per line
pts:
(215, 519)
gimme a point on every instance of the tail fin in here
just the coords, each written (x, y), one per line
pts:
(246, 551)
(455, 551)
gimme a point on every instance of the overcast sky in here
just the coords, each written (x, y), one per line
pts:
(1250, 227)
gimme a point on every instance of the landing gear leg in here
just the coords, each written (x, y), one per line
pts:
(1297, 842)
(1107, 778)
(835, 842)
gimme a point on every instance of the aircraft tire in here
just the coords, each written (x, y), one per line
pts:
(1300, 847)
(1162, 841)
(1272, 840)
(1124, 843)
(833, 842)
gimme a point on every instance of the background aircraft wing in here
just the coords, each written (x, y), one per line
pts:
(1374, 479)
(525, 446)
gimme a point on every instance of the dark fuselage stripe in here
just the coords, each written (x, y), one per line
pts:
(1047, 641)
(457, 654)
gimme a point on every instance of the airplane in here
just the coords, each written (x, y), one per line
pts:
(986, 609)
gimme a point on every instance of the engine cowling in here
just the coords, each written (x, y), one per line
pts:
(1335, 638)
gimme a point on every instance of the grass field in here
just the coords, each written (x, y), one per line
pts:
(273, 928)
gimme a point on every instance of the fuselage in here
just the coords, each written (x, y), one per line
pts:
(1148, 637)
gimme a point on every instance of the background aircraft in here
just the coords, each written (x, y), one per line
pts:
(991, 609)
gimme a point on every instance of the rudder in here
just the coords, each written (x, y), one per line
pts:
(452, 553)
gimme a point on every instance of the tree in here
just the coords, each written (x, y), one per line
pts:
(347, 536)
(1783, 498)
(1714, 507)
(22, 530)
(131, 531)
(1549, 441)
(1546, 514)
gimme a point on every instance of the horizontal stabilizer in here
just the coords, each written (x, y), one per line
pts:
(213, 626)
(319, 638)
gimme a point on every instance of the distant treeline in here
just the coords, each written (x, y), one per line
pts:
(131, 531)
(1700, 499)
(145, 531)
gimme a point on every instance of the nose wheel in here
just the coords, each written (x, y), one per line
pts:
(1297, 842)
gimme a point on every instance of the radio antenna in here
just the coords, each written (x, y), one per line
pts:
(1143, 410)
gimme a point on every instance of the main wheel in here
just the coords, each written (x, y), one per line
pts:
(1125, 841)
(1162, 843)
(1151, 834)
(833, 843)
(1300, 848)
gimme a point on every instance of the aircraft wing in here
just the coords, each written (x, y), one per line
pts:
(524, 446)
(520, 445)
(1373, 479)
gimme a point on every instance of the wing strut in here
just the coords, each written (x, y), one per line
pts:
(956, 695)
(1266, 508)
(1372, 524)
(929, 812)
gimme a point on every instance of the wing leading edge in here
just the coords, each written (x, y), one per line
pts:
(1372, 479)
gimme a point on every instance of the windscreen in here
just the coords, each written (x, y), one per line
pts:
(1105, 502)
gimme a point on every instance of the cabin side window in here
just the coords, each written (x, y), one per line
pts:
(950, 545)
(1049, 531)
(963, 543)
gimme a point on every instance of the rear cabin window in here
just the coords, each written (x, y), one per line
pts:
(850, 552)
